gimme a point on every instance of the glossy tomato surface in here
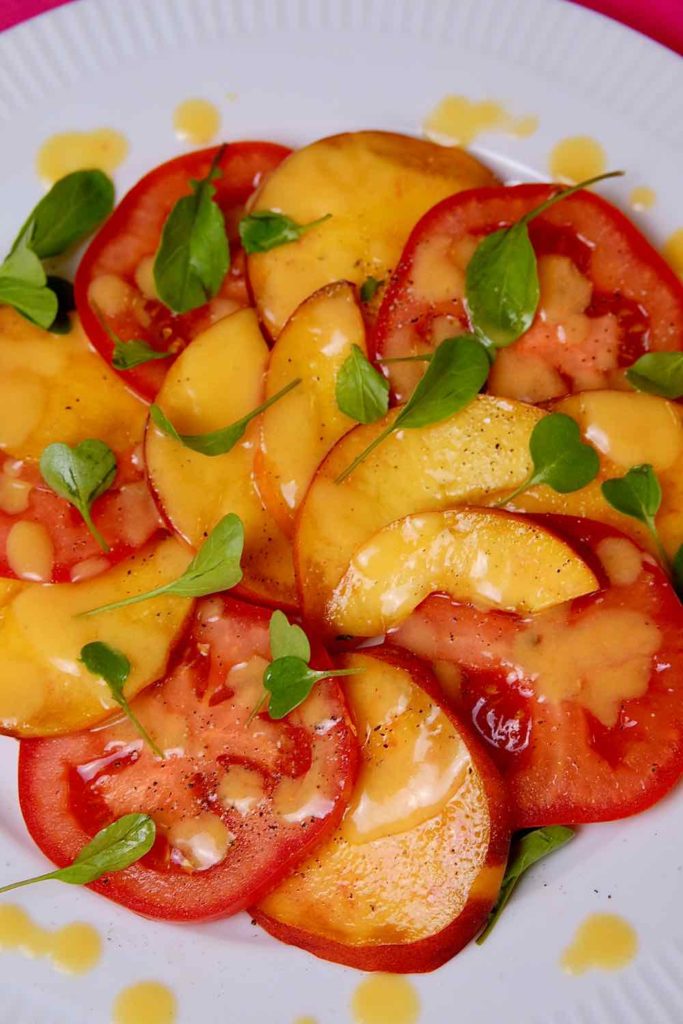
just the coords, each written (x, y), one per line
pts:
(582, 705)
(237, 803)
(117, 265)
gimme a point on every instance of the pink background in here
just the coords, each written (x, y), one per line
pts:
(661, 19)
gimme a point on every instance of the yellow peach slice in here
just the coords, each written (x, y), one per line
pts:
(375, 186)
(56, 388)
(215, 381)
(468, 459)
(44, 687)
(486, 558)
(298, 431)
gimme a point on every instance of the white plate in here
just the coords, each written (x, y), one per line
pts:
(302, 69)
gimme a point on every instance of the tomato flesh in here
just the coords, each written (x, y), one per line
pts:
(635, 303)
(572, 757)
(236, 804)
(132, 234)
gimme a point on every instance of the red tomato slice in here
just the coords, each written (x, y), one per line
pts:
(606, 295)
(126, 516)
(118, 259)
(237, 805)
(582, 705)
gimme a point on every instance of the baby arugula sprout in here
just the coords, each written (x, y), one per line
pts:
(70, 211)
(129, 354)
(114, 848)
(114, 667)
(286, 640)
(637, 494)
(456, 373)
(194, 255)
(560, 458)
(216, 442)
(528, 850)
(80, 475)
(369, 289)
(501, 282)
(362, 392)
(215, 567)
(263, 230)
(658, 373)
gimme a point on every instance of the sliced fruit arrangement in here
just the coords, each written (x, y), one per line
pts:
(458, 466)
(236, 804)
(410, 875)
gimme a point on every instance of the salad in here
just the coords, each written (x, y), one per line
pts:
(341, 532)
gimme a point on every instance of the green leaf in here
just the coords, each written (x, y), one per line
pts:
(194, 255)
(501, 285)
(369, 289)
(69, 212)
(658, 373)
(637, 494)
(529, 849)
(64, 291)
(289, 681)
(362, 392)
(455, 375)
(216, 442)
(560, 458)
(113, 667)
(22, 264)
(23, 284)
(267, 229)
(214, 568)
(80, 475)
(129, 354)
(114, 848)
(287, 639)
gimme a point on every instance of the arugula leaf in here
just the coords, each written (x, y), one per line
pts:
(362, 392)
(114, 848)
(113, 666)
(215, 567)
(66, 303)
(658, 373)
(560, 458)
(70, 211)
(501, 281)
(263, 230)
(216, 442)
(456, 373)
(529, 849)
(369, 289)
(289, 681)
(193, 255)
(80, 475)
(23, 284)
(136, 352)
(287, 639)
(637, 494)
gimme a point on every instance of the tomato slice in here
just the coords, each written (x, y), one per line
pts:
(237, 804)
(44, 538)
(606, 295)
(582, 705)
(114, 284)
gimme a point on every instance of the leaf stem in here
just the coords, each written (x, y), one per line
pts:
(406, 359)
(126, 601)
(272, 400)
(567, 192)
(27, 881)
(524, 486)
(257, 708)
(366, 451)
(135, 721)
(661, 550)
(87, 519)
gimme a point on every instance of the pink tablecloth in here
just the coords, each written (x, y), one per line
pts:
(660, 19)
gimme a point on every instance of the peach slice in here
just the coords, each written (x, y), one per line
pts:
(376, 186)
(473, 556)
(468, 459)
(416, 864)
(215, 381)
(298, 431)
(44, 687)
(57, 389)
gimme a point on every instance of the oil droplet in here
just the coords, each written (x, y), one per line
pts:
(305, 1020)
(65, 152)
(196, 120)
(148, 1002)
(642, 198)
(385, 999)
(605, 942)
(673, 251)
(457, 119)
(75, 949)
(576, 159)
